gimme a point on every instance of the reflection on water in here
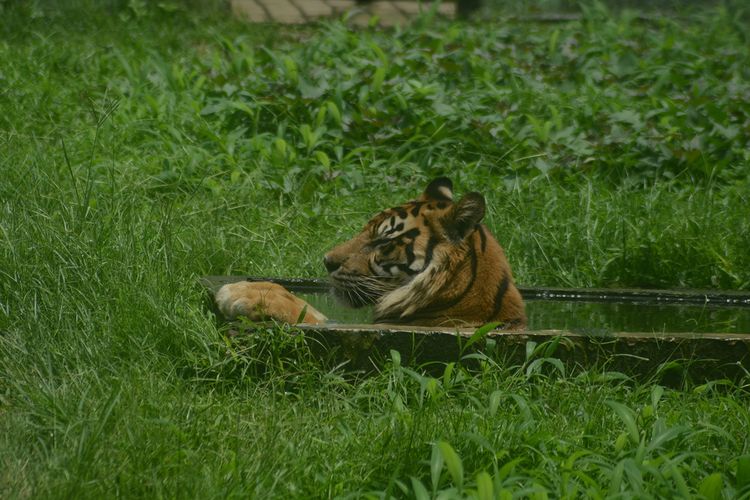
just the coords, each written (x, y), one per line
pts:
(595, 318)
(336, 312)
(603, 317)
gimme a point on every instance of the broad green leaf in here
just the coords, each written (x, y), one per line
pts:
(657, 392)
(523, 407)
(452, 463)
(742, 473)
(377, 79)
(480, 334)
(711, 486)
(553, 42)
(320, 116)
(280, 145)
(323, 159)
(628, 419)
(420, 492)
(508, 468)
(662, 435)
(679, 480)
(436, 467)
(530, 348)
(448, 374)
(615, 479)
(242, 106)
(292, 72)
(485, 487)
(395, 357)
(550, 347)
(311, 91)
(306, 132)
(382, 57)
(537, 365)
(494, 402)
(333, 110)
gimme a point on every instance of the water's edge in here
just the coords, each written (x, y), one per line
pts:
(596, 312)
(695, 346)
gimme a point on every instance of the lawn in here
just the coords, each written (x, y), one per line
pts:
(143, 146)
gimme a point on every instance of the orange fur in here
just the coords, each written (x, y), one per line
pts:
(260, 300)
(427, 262)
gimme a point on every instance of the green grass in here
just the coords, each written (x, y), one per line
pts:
(142, 148)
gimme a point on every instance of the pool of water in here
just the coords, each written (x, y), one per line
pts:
(606, 317)
(593, 318)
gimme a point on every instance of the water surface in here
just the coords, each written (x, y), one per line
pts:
(594, 318)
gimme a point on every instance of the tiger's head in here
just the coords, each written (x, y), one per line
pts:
(419, 262)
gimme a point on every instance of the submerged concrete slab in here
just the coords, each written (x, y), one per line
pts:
(250, 10)
(388, 12)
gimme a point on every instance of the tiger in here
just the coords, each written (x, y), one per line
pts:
(428, 262)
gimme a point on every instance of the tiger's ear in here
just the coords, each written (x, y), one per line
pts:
(465, 215)
(440, 189)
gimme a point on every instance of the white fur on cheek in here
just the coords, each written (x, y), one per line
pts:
(415, 294)
(407, 295)
(417, 265)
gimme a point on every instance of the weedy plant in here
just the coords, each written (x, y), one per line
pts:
(145, 145)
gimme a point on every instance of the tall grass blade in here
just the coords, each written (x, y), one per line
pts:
(453, 463)
(627, 416)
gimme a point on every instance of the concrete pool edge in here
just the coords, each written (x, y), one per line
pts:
(365, 347)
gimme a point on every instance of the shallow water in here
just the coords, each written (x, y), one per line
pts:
(605, 317)
(594, 318)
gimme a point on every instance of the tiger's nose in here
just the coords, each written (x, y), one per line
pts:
(331, 264)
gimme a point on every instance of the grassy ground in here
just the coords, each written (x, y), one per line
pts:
(143, 147)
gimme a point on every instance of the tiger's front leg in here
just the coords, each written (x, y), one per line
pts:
(262, 300)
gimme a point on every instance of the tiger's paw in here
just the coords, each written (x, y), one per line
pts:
(262, 300)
